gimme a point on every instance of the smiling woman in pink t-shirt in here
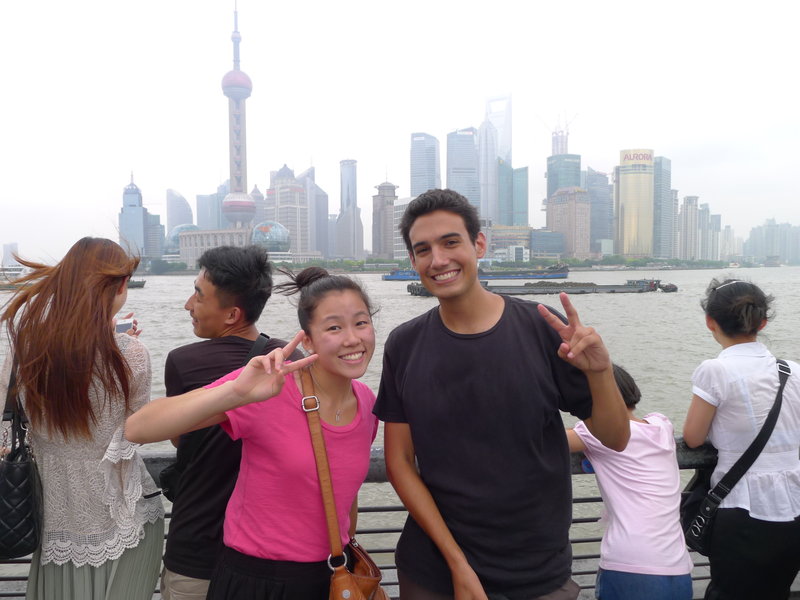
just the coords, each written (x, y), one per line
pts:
(275, 532)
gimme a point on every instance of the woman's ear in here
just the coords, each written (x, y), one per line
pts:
(308, 345)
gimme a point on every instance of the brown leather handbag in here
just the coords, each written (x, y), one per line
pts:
(361, 579)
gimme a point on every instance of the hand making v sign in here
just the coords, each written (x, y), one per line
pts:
(581, 346)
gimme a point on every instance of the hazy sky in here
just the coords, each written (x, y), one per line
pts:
(94, 90)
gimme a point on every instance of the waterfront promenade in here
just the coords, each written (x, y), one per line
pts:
(380, 523)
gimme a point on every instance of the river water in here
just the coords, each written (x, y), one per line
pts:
(658, 337)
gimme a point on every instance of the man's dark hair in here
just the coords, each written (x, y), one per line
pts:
(627, 387)
(242, 277)
(437, 199)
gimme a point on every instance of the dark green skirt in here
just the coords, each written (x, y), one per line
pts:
(130, 577)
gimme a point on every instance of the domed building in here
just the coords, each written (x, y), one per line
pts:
(173, 244)
(272, 236)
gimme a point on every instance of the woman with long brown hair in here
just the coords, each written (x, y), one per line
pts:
(79, 380)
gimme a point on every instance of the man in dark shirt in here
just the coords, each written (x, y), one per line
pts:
(230, 292)
(470, 395)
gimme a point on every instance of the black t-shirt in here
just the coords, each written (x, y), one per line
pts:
(195, 531)
(483, 410)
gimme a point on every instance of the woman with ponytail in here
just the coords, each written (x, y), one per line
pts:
(755, 543)
(78, 381)
(275, 532)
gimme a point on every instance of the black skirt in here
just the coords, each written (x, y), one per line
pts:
(242, 577)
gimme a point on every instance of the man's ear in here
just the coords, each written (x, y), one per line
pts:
(235, 314)
(413, 262)
(480, 244)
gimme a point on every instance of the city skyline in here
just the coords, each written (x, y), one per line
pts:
(138, 89)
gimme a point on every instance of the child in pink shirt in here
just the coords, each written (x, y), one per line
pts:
(643, 553)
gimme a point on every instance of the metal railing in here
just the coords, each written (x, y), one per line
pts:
(380, 524)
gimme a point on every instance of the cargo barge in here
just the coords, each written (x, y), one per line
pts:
(631, 286)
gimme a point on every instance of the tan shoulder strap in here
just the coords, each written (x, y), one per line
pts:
(310, 405)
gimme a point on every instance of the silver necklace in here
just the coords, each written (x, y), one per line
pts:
(338, 412)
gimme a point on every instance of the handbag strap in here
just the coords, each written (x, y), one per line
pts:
(13, 410)
(310, 405)
(746, 460)
(10, 408)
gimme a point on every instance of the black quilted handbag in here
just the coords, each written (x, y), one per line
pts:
(20, 487)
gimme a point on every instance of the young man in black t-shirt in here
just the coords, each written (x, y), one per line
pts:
(229, 295)
(470, 394)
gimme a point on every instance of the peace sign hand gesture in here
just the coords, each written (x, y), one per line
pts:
(581, 346)
(264, 376)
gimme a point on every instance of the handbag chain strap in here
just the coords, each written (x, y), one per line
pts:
(746, 460)
(310, 405)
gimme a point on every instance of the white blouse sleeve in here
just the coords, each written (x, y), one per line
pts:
(707, 381)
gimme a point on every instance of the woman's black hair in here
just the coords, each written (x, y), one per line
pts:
(738, 307)
(314, 283)
(627, 387)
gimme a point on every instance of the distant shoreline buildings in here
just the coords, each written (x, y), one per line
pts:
(635, 212)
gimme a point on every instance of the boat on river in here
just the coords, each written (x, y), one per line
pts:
(554, 272)
(631, 286)
(136, 283)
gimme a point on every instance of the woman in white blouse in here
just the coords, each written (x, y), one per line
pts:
(78, 380)
(755, 545)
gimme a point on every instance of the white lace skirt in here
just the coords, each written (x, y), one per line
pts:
(132, 576)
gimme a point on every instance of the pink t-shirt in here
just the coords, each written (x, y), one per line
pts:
(641, 489)
(276, 509)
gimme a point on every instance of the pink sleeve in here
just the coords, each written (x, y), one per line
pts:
(593, 445)
(233, 425)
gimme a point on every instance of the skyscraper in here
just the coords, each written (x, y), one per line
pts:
(633, 203)
(664, 216)
(602, 209)
(383, 220)
(488, 170)
(286, 203)
(238, 207)
(178, 210)
(568, 213)
(563, 171)
(462, 164)
(714, 233)
(132, 220)
(349, 242)
(498, 113)
(519, 198)
(209, 208)
(512, 195)
(689, 246)
(317, 211)
(425, 170)
(140, 233)
(261, 206)
(494, 158)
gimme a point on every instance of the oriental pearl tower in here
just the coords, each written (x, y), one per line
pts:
(238, 207)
